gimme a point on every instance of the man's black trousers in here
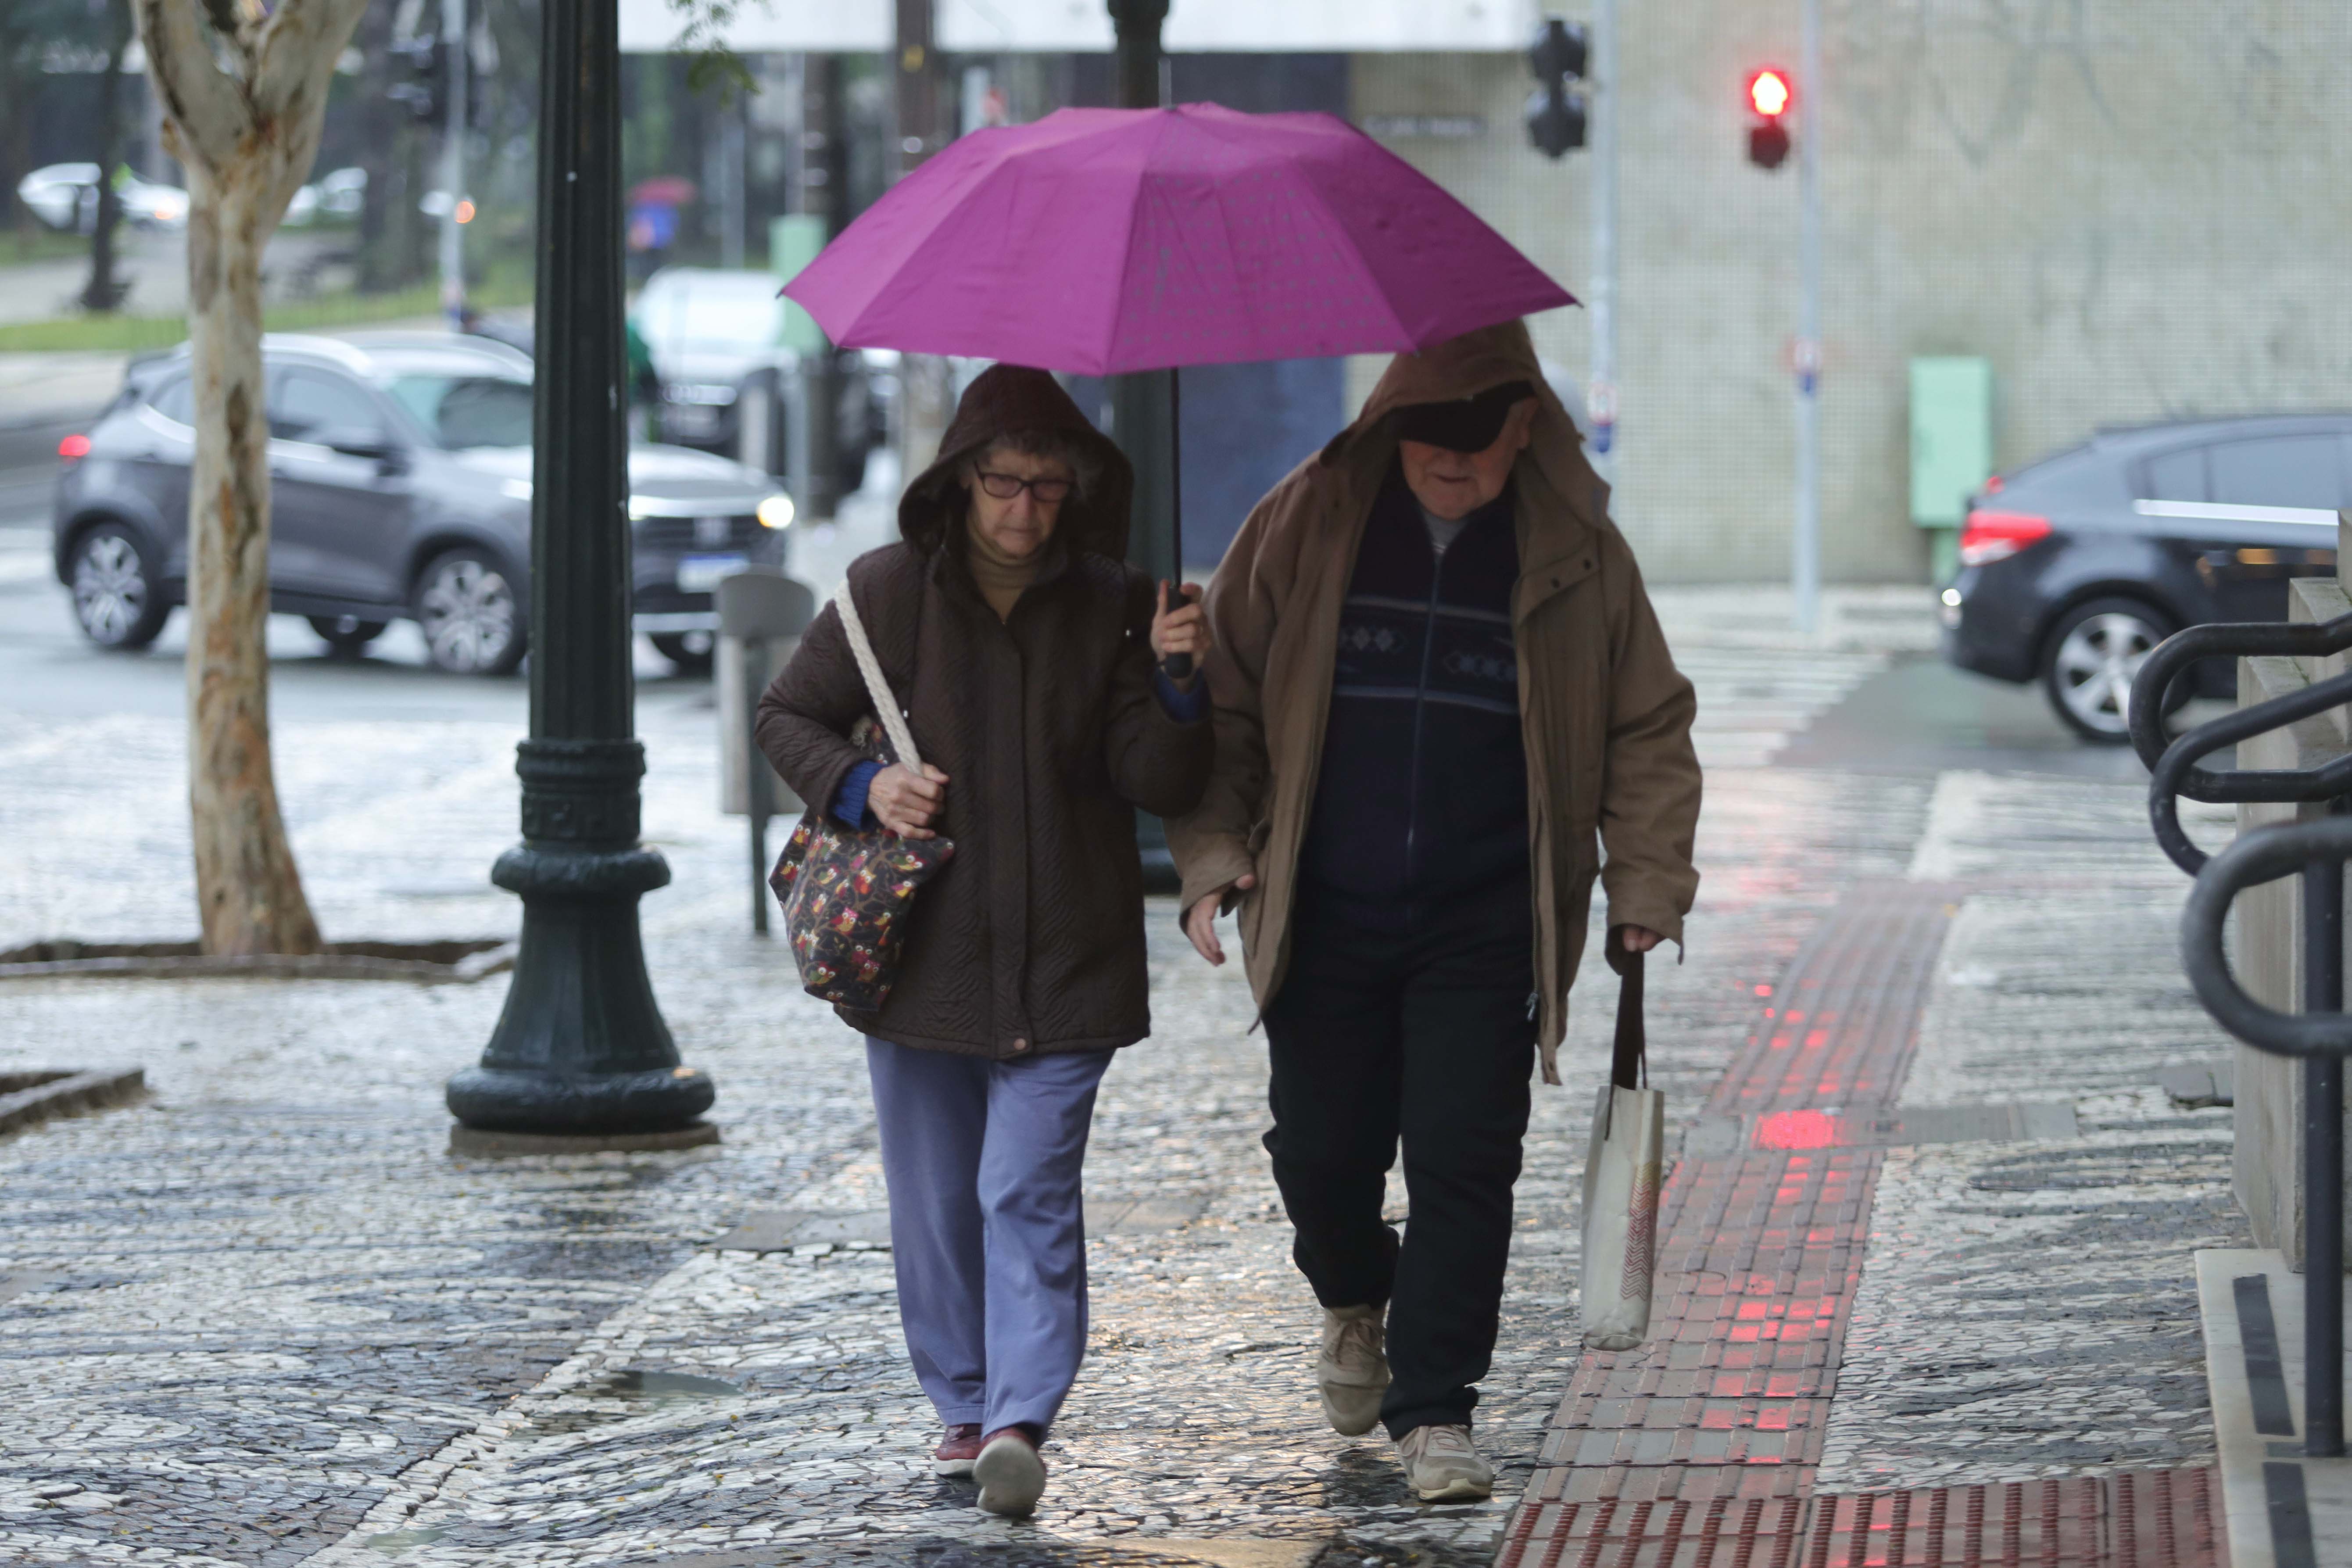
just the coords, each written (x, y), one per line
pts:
(1410, 1023)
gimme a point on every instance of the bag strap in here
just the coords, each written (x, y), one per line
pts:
(1629, 1059)
(885, 703)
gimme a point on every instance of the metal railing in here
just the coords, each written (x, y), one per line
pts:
(2321, 1034)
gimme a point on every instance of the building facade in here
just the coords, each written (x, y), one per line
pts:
(2133, 210)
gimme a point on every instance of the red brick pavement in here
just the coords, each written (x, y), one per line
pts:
(1699, 1449)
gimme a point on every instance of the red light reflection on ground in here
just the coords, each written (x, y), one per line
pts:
(1797, 1130)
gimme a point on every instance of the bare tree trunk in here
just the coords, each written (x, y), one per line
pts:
(249, 891)
(243, 92)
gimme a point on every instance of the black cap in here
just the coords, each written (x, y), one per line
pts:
(1462, 424)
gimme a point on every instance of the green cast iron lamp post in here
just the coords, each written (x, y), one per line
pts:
(581, 1049)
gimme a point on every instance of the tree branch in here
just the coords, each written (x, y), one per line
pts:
(293, 71)
(205, 103)
(298, 47)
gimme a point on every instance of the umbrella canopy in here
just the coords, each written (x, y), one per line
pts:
(1097, 241)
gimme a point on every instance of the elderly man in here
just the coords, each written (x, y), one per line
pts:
(1440, 694)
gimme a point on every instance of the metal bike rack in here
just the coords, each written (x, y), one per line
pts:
(2321, 1034)
(2172, 658)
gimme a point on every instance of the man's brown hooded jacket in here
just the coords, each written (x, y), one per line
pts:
(1605, 715)
(1031, 941)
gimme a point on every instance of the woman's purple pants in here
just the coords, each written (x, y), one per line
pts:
(987, 1225)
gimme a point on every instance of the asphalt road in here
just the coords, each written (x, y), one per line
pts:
(1921, 716)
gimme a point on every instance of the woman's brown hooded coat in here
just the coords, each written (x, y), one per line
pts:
(1048, 729)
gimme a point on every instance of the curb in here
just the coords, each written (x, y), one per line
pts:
(469, 962)
(34, 1096)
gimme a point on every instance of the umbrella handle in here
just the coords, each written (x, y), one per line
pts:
(1176, 666)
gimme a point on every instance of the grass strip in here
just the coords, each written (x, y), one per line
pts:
(136, 334)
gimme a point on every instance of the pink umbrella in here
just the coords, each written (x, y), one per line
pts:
(1102, 240)
(1098, 241)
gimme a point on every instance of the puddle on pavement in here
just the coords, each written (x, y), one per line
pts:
(391, 1542)
(636, 1385)
(660, 1387)
(1362, 1478)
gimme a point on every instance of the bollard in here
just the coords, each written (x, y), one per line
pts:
(761, 614)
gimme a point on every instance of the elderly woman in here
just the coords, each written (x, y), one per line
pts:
(1026, 652)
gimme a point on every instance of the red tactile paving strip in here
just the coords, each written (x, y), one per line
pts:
(1837, 1030)
(2154, 1519)
(2149, 1519)
(1717, 1532)
(1762, 1253)
(1699, 1449)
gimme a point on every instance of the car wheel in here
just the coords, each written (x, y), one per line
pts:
(691, 651)
(346, 635)
(473, 623)
(114, 588)
(2089, 660)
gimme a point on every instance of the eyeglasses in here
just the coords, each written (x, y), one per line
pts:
(1004, 487)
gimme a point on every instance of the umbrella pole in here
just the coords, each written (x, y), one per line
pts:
(1178, 665)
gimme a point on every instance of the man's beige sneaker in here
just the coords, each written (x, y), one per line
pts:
(1441, 1466)
(1352, 1371)
(1012, 1477)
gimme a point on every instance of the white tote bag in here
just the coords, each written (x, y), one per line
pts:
(1621, 1177)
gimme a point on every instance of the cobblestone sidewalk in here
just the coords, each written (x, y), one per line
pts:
(265, 1320)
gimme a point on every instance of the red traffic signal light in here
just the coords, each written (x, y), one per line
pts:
(1770, 93)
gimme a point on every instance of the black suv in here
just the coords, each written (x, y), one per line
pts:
(400, 479)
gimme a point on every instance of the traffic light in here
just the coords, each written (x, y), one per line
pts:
(428, 87)
(1555, 109)
(1768, 97)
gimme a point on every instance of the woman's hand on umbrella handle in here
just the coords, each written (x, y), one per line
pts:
(1179, 637)
(1201, 919)
(906, 803)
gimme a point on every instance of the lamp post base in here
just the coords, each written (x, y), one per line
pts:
(580, 1049)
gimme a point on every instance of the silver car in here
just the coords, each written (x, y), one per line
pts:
(400, 484)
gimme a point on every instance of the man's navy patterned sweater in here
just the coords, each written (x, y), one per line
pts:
(1423, 790)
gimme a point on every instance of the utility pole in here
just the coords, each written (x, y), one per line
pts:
(731, 215)
(1141, 402)
(457, 69)
(821, 191)
(1600, 395)
(923, 384)
(1805, 565)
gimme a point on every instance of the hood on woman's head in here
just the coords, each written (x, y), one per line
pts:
(1027, 410)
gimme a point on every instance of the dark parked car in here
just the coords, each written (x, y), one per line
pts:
(2073, 569)
(400, 481)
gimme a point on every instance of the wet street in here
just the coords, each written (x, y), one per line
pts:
(265, 1318)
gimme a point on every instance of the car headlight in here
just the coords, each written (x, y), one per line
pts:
(776, 512)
